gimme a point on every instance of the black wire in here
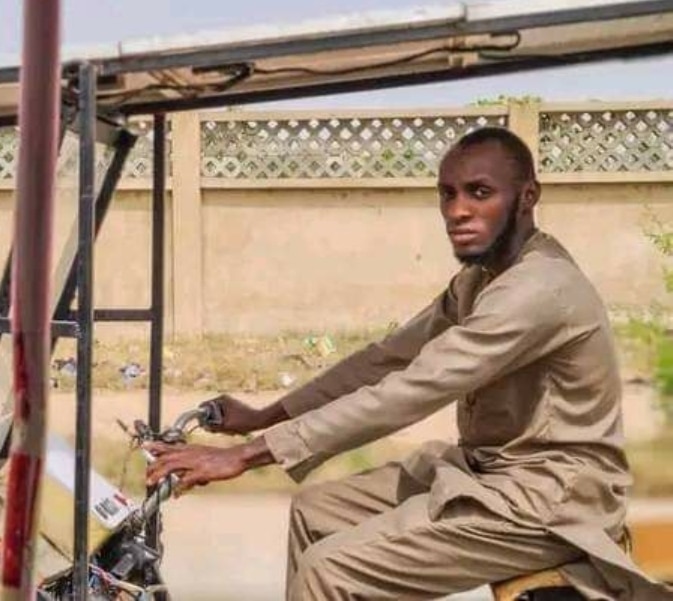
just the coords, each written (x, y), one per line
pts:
(400, 61)
(243, 72)
(495, 56)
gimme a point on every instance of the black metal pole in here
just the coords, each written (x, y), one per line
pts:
(157, 323)
(87, 171)
(6, 283)
(123, 146)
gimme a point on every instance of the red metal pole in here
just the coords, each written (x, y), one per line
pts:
(39, 125)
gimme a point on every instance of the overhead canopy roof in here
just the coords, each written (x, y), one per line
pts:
(363, 51)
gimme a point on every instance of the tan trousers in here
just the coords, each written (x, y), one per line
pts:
(369, 537)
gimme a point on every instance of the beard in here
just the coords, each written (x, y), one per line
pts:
(499, 247)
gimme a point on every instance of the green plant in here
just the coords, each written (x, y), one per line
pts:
(661, 237)
(652, 332)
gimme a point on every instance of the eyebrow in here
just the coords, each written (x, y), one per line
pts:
(477, 180)
(482, 177)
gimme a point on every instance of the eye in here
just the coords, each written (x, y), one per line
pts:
(481, 192)
(446, 194)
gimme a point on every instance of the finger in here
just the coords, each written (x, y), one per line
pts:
(157, 479)
(186, 457)
(163, 467)
(188, 481)
(158, 472)
(153, 478)
(161, 448)
(180, 489)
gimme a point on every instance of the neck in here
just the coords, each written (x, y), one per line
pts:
(509, 254)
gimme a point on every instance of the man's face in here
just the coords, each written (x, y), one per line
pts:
(479, 194)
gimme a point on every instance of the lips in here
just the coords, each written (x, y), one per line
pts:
(463, 236)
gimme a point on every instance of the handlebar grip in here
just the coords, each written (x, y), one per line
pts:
(212, 416)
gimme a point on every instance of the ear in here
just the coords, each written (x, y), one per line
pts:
(530, 194)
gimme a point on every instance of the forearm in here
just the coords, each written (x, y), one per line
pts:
(272, 414)
(256, 453)
(237, 417)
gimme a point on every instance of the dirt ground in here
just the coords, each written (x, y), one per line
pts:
(232, 546)
(641, 420)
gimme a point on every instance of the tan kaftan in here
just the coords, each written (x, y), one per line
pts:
(528, 356)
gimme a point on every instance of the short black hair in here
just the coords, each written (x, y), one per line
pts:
(513, 144)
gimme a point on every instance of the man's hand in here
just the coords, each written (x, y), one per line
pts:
(197, 465)
(240, 418)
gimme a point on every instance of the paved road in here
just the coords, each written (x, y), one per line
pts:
(232, 548)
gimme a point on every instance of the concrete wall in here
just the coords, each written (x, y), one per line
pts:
(287, 259)
(604, 226)
(277, 260)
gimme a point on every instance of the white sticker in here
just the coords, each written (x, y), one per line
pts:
(107, 503)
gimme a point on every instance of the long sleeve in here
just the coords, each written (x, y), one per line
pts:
(369, 365)
(515, 320)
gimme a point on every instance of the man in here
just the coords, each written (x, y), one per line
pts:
(521, 341)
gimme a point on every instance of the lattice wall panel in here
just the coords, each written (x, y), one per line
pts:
(68, 159)
(9, 152)
(606, 141)
(139, 163)
(332, 148)
(67, 166)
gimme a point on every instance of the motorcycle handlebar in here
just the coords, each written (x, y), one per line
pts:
(207, 415)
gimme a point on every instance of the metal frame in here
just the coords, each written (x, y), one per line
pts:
(244, 59)
(156, 313)
(524, 15)
(79, 324)
(80, 282)
(513, 65)
(5, 283)
(94, 119)
(87, 175)
(91, 217)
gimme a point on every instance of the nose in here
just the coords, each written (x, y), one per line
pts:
(457, 209)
